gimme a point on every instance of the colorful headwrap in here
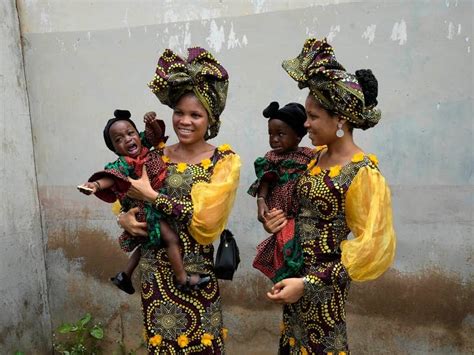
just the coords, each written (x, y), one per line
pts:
(201, 74)
(336, 90)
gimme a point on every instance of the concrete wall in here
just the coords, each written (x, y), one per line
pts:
(24, 310)
(84, 59)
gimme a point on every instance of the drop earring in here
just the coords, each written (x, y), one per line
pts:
(340, 131)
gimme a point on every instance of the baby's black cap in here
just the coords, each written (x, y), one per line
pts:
(293, 114)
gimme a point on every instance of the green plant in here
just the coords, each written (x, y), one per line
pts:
(80, 338)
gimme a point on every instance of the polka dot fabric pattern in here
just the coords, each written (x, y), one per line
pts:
(316, 323)
(185, 321)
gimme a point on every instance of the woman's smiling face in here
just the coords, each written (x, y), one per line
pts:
(190, 119)
(321, 125)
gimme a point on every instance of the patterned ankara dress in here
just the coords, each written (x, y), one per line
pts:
(178, 322)
(316, 324)
(275, 255)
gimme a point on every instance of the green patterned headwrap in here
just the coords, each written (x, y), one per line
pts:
(200, 74)
(335, 89)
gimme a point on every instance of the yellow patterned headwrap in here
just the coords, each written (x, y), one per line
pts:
(201, 74)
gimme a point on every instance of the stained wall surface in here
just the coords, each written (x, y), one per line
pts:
(24, 310)
(84, 59)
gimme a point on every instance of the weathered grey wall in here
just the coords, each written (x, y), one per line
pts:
(84, 59)
(24, 310)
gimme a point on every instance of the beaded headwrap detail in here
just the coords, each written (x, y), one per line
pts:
(333, 87)
(200, 74)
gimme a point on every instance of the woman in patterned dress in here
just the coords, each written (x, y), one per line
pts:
(196, 198)
(342, 191)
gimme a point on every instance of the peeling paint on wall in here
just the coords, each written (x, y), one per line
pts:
(369, 33)
(233, 41)
(100, 15)
(125, 22)
(216, 36)
(450, 30)
(45, 22)
(258, 5)
(453, 30)
(187, 36)
(449, 2)
(399, 32)
(333, 32)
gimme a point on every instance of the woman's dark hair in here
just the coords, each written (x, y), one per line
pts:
(369, 84)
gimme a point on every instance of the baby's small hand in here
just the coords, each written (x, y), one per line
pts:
(87, 188)
(149, 117)
(262, 209)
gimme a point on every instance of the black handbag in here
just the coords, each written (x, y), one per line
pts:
(227, 256)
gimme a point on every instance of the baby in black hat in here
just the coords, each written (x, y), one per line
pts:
(278, 256)
(135, 151)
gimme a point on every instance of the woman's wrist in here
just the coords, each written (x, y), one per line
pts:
(151, 196)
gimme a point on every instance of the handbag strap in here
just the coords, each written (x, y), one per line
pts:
(227, 236)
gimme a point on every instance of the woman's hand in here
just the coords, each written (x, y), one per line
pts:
(141, 188)
(287, 291)
(128, 221)
(274, 221)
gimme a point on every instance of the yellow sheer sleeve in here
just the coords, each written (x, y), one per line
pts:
(116, 207)
(213, 201)
(369, 217)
